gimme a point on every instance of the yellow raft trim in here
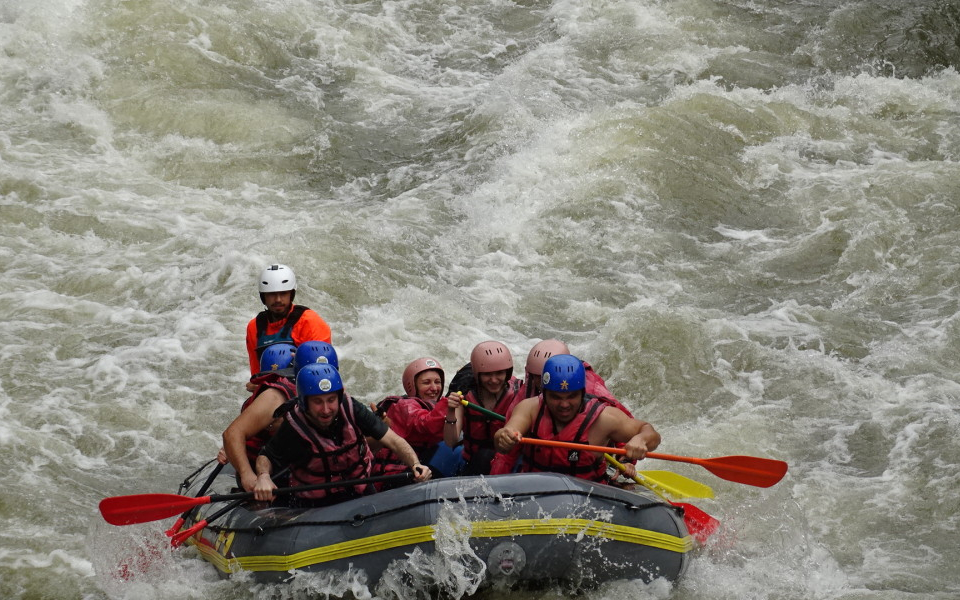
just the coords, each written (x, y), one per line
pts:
(416, 535)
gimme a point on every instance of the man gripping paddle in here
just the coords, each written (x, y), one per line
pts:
(564, 412)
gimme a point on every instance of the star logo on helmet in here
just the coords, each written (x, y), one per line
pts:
(274, 366)
(564, 385)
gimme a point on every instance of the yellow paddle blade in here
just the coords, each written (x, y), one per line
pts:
(677, 485)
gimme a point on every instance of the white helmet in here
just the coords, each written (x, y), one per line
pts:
(277, 278)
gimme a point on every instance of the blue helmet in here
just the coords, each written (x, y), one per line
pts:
(309, 353)
(276, 357)
(564, 373)
(318, 379)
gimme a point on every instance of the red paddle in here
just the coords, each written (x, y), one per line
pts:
(750, 470)
(698, 522)
(206, 485)
(141, 508)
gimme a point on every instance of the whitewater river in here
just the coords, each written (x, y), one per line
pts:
(744, 213)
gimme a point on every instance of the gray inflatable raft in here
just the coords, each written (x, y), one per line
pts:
(533, 528)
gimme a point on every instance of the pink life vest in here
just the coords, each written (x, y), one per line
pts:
(331, 460)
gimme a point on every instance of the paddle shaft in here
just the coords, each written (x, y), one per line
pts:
(312, 487)
(483, 410)
(141, 508)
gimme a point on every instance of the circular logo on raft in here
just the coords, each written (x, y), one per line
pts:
(546, 379)
(325, 385)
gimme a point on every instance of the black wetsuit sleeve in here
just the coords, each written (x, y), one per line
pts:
(369, 423)
(286, 448)
(462, 381)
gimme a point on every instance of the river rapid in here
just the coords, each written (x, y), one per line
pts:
(744, 213)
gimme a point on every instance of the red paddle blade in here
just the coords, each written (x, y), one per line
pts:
(750, 470)
(699, 523)
(178, 539)
(141, 508)
(175, 527)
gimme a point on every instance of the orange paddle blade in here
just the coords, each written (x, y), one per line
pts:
(751, 470)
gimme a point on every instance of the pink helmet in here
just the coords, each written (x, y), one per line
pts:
(490, 356)
(541, 352)
(415, 368)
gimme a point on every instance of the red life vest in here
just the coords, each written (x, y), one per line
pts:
(269, 379)
(478, 428)
(585, 465)
(418, 421)
(347, 457)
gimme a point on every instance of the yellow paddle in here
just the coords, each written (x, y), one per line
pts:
(677, 485)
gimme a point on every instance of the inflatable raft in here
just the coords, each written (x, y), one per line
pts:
(537, 528)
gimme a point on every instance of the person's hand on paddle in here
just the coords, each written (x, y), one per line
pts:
(637, 447)
(630, 470)
(506, 439)
(454, 402)
(263, 490)
(222, 456)
(421, 473)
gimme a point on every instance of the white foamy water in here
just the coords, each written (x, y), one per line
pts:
(743, 214)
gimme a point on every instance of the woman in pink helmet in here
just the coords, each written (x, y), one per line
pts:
(422, 417)
(538, 356)
(495, 389)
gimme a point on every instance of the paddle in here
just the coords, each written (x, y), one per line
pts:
(677, 485)
(141, 508)
(178, 539)
(671, 483)
(206, 485)
(483, 410)
(749, 470)
(698, 522)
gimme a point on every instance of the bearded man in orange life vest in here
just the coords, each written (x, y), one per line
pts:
(565, 412)
(323, 439)
(282, 321)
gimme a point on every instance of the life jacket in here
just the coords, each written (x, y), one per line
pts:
(577, 463)
(284, 336)
(340, 459)
(264, 381)
(478, 428)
